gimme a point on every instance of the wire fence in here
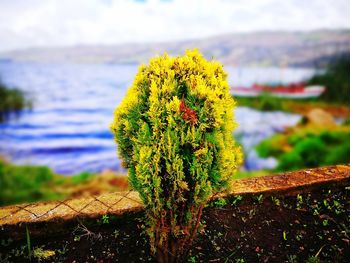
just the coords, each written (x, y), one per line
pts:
(121, 202)
(116, 203)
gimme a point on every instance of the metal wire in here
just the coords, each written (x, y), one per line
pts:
(109, 206)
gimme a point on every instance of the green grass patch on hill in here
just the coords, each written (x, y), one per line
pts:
(337, 80)
(307, 149)
(12, 101)
(265, 102)
(25, 183)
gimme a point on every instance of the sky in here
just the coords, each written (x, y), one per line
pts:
(52, 23)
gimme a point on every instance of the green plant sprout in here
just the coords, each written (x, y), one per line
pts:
(192, 259)
(298, 237)
(284, 236)
(116, 233)
(174, 134)
(29, 247)
(259, 198)
(105, 219)
(41, 254)
(299, 201)
(292, 259)
(275, 200)
(236, 199)
(220, 202)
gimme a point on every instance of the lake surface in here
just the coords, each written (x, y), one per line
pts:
(68, 128)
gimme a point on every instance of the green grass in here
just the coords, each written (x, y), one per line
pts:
(337, 80)
(25, 183)
(265, 102)
(12, 102)
(307, 149)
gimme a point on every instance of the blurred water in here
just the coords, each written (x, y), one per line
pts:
(68, 129)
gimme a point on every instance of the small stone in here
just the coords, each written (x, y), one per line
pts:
(319, 118)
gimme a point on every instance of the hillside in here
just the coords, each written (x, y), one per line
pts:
(315, 48)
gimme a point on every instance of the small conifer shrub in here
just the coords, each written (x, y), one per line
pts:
(174, 134)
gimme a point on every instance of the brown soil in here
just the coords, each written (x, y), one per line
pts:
(254, 229)
(335, 110)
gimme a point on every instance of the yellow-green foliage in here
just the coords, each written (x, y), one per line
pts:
(174, 134)
(41, 254)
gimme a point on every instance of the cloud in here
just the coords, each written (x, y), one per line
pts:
(28, 23)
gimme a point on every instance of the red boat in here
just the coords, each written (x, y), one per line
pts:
(293, 91)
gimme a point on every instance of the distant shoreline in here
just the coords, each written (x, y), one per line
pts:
(280, 49)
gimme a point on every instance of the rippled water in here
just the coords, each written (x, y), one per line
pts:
(73, 107)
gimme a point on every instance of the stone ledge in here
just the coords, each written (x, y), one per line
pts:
(123, 202)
